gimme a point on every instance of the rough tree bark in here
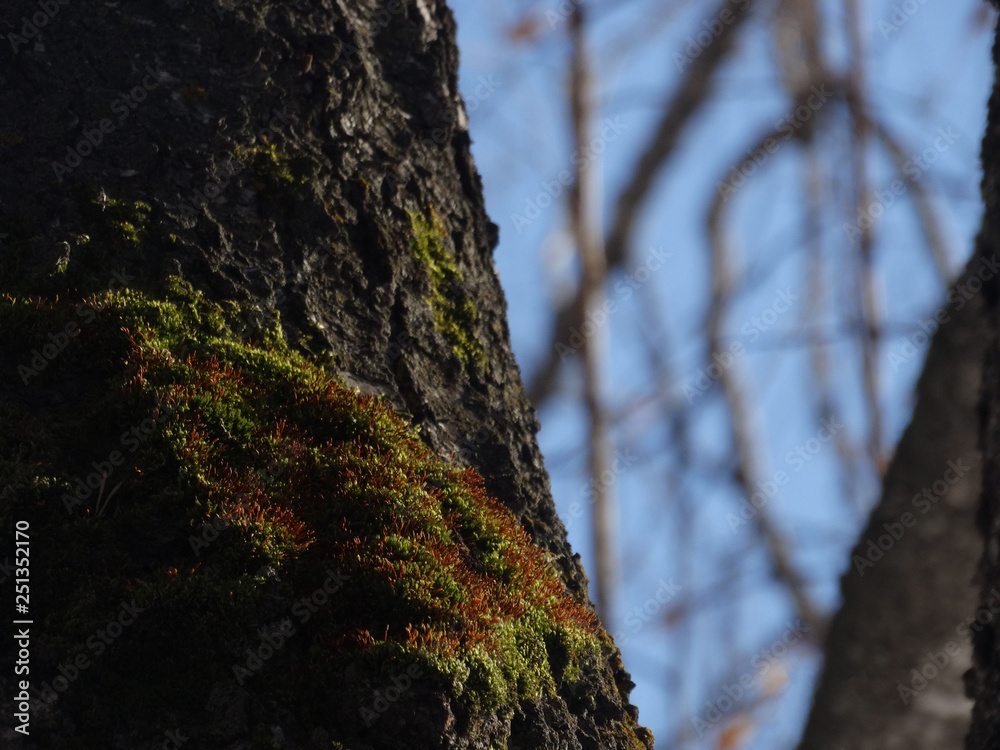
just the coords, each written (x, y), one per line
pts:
(309, 163)
(983, 681)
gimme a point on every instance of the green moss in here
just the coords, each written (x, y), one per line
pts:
(114, 236)
(455, 317)
(117, 224)
(242, 457)
(270, 165)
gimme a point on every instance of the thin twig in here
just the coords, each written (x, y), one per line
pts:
(921, 202)
(812, 317)
(868, 301)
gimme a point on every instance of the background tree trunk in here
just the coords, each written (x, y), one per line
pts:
(310, 161)
(899, 644)
(983, 681)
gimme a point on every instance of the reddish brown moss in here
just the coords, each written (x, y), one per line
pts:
(436, 571)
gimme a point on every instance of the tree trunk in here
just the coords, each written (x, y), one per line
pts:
(983, 681)
(899, 644)
(229, 542)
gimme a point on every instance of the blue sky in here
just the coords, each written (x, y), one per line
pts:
(929, 73)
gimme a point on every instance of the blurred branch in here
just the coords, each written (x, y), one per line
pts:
(795, 31)
(745, 704)
(585, 219)
(921, 201)
(858, 107)
(693, 92)
(744, 438)
(816, 284)
(687, 100)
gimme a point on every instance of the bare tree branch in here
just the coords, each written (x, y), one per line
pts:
(921, 201)
(687, 100)
(745, 438)
(816, 284)
(868, 300)
(693, 92)
(585, 219)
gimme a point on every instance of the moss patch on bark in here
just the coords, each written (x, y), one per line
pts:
(455, 317)
(264, 526)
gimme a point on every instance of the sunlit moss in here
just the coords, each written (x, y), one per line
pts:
(455, 316)
(243, 456)
(114, 222)
(269, 164)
